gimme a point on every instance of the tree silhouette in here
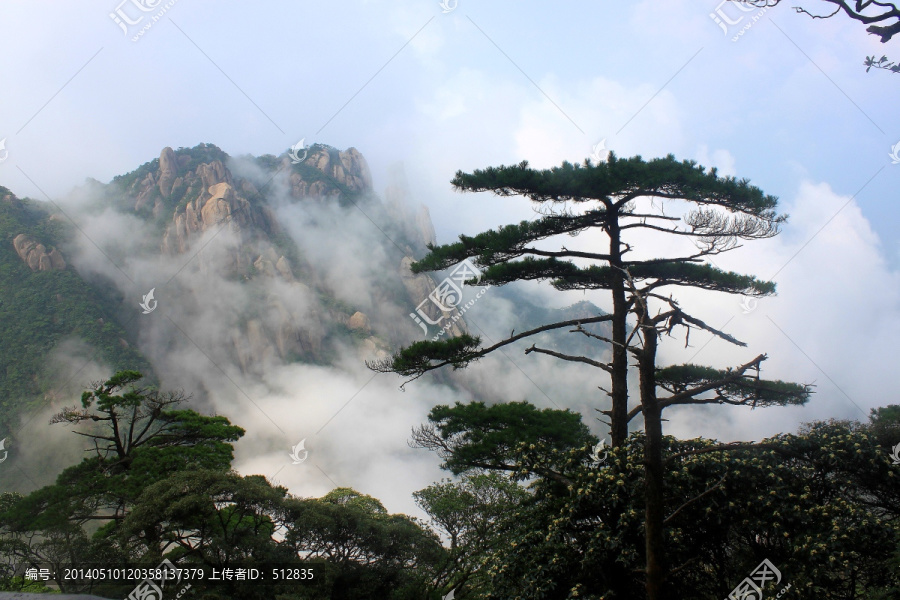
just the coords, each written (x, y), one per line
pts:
(613, 198)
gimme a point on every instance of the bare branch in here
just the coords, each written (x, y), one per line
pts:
(570, 358)
(694, 499)
(679, 317)
(386, 365)
(855, 12)
(587, 333)
(649, 216)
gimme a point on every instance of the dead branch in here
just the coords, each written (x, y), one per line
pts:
(570, 358)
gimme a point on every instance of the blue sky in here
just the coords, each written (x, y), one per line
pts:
(486, 83)
(788, 105)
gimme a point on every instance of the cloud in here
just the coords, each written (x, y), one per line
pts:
(451, 101)
(836, 315)
(721, 159)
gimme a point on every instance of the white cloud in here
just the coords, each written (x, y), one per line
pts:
(720, 159)
(835, 318)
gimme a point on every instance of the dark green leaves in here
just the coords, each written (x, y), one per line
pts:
(747, 389)
(424, 356)
(620, 179)
(476, 435)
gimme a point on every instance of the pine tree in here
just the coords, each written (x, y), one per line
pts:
(614, 197)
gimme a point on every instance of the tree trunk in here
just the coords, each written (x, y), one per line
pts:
(653, 468)
(619, 393)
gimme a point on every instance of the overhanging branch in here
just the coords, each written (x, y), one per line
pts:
(570, 358)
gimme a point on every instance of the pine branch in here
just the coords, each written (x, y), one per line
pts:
(731, 378)
(419, 367)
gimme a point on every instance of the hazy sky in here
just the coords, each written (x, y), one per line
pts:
(787, 105)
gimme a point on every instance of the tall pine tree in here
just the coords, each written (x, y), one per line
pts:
(614, 197)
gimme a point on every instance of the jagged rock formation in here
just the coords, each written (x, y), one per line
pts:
(36, 256)
(217, 203)
(348, 169)
(425, 226)
(415, 223)
(168, 171)
(193, 193)
(417, 226)
(280, 333)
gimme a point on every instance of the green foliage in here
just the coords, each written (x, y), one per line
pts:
(470, 513)
(424, 355)
(160, 479)
(128, 182)
(567, 276)
(725, 210)
(210, 517)
(881, 63)
(27, 586)
(143, 439)
(267, 162)
(39, 310)
(884, 423)
(198, 155)
(364, 552)
(505, 243)
(821, 505)
(617, 178)
(747, 389)
(479, 436)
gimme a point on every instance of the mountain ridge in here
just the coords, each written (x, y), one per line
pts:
(248, 288)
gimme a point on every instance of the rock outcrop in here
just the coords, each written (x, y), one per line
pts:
(425, 226)
(279, 334)
(284, 269)
(359, 321)
(347, 168)
(414, 222)
(208, 194)
(36, 255)
(168, 171)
